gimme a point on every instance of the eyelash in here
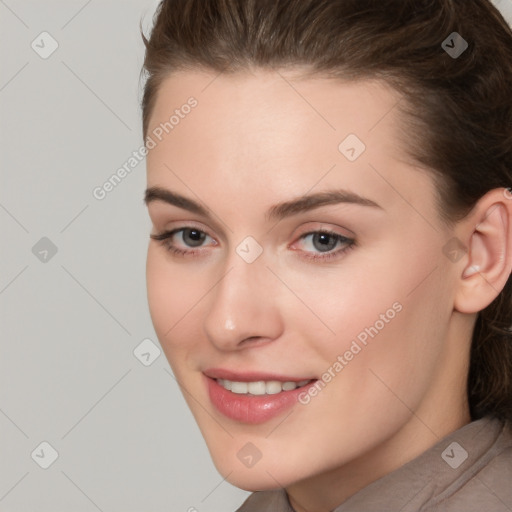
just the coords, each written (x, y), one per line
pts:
(165, 240)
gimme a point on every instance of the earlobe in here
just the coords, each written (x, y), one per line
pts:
(489, 233)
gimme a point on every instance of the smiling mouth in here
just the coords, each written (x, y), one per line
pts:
(254, 401)
(261, 387)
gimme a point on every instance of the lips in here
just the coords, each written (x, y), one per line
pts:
(245, 407)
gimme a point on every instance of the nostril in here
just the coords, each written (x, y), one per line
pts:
(251, 340)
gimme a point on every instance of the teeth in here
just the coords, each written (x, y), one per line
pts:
(288, 386)
(257, 388)
(271, 387)
(240, 387)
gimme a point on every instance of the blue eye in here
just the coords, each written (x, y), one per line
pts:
(325, 242)
(321, 245)
(190, 237)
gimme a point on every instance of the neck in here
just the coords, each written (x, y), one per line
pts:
(324, 492)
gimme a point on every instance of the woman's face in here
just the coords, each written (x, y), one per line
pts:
(308, 252)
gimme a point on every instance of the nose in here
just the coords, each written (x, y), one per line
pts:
(243, 308)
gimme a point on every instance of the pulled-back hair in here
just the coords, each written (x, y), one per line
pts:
(458, 109)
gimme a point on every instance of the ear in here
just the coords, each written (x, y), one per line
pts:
(487, 234)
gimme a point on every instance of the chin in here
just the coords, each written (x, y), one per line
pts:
(251, 481)
(262, 476)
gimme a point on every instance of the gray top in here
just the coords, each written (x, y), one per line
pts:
(469, 470)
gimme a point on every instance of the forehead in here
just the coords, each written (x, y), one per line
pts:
(271, 102)
(265, 127)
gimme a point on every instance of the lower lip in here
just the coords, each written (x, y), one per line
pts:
(252, 409)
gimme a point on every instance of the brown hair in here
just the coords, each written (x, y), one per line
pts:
(458, 109)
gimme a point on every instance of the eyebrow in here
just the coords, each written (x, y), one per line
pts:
(276, 212)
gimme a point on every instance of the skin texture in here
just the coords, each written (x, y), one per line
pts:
(263, 137)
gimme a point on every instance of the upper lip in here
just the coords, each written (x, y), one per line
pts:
(250, 376)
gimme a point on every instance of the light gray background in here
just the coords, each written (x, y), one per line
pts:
(68, 374)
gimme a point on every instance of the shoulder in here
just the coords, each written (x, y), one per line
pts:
(486, 484)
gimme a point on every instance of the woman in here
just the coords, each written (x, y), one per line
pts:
(329, 264)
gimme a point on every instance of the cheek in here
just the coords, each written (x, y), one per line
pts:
(171, 297)
(399, 364)
(357, 301)
(389, 326)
